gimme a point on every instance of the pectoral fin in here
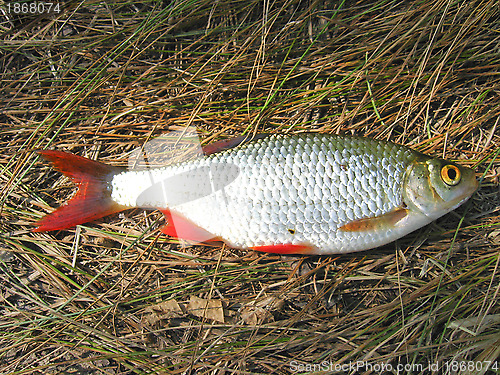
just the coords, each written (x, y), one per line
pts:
(378, 222)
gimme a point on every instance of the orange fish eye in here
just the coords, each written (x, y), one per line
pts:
(450, 174)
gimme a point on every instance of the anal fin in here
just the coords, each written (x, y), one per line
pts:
(180, 227)
(378, 222)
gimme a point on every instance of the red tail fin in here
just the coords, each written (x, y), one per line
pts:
(93, 199)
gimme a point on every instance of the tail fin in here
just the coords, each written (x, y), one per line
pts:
(93, 199)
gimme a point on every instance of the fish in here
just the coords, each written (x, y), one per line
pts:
(308, 193)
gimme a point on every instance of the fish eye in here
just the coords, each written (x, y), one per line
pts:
(450, 174)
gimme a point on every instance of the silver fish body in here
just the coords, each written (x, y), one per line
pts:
(309, 193)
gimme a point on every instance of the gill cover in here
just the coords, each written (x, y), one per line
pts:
(435, 187)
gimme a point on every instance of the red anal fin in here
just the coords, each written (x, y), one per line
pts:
(227, 144)
(182, 228)
(93, 199)
(286, 248)
(373, 223)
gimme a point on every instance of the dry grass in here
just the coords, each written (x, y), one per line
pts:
(102, 78)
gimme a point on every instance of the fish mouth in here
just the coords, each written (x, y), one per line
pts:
(467, 194)
(447, 206)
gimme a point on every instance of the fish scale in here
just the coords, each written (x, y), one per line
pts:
(307, 193)
(309, 185)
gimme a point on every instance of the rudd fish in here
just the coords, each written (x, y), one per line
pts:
(308, 193)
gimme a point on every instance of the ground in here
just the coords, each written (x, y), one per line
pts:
(100, 79)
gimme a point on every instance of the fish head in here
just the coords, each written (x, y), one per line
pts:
(435, 187)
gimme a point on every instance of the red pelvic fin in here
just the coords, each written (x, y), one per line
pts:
(286, 248)
(93, 199)
(227, 144)
(180, 227)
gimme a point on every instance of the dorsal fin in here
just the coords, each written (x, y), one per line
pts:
(226, 144)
